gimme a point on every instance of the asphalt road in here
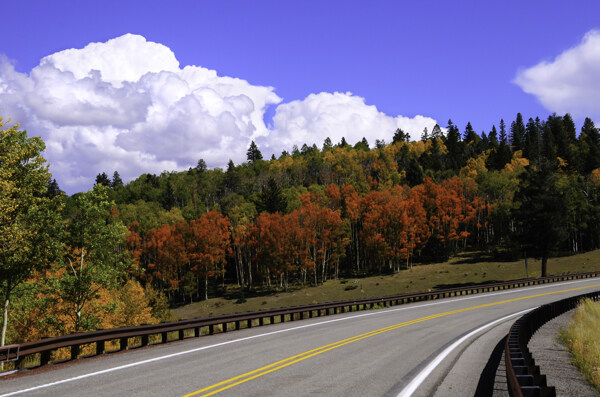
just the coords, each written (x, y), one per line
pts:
(423, 349)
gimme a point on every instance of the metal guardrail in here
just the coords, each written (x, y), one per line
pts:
(224, 323)
(523, 376)
(9, 353)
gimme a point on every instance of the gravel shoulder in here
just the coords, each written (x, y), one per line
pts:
(554, 359)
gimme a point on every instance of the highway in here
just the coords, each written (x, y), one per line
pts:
(422, 349)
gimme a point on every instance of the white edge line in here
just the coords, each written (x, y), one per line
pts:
(135, 364)
(420, 378)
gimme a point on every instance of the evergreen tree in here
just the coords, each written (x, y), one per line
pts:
(414, 173)
(542, 216)
(493, 137)
(437, 132)
(362, 145)
(103, 179)
(470, 135)
(271, 199)
(52, 189)
(517, 133)
(116, 181)
(343, 143)
(502, 135)
(589, 144)
(400, 136)
(253, 154)
(201, 166)
(454, 146)
(327, 144)
(532, 147)
(232, 179)
(168, 197)
(379, 143)
(425, 135)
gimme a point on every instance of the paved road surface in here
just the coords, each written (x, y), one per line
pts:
(428, 348)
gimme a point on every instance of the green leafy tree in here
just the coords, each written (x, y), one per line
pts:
(95, 257)
(29, 226)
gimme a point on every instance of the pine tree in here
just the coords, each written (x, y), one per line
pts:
(436, 132)
(532, 146)
(327, 144)
(116, 181)
(253, 154)
(201, 166)
(589, 144)
(271, 199)
(493, 137)
(502, 135)
(103, 179)
(517, 133)
(400, 136)
(52, 189)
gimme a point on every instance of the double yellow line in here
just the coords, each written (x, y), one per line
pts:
(248, 376)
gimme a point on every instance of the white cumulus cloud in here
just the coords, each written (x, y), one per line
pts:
(128, 105)
(336, 115)
(568, 84)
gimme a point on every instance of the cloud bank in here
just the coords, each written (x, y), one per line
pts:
(570, 83)
(128, 105)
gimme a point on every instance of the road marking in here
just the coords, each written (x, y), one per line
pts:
(420, 378)
(248, 376)
(377, 312)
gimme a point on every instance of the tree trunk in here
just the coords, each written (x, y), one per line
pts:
(544, 265)
(4, 325)
(206, 287)
(4, 322)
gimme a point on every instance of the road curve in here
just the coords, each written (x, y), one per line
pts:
(426, 348)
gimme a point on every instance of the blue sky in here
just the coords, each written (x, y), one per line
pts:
(436, 59)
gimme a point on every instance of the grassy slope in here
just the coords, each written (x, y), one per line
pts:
(459, 271)
(582, 338)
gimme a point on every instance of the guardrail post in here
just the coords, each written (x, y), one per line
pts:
(164, 337)
(144, 340)
(45, 357)
(99, 347)
(211, 329)
(249, 323)
(237, 325)
(196, 332)
(261, 321)
(181, 334)
(74, 352)
(122, 344)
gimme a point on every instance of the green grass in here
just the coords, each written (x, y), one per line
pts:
(459, 271)
(582, 338)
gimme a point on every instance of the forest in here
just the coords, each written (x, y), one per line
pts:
(122, 254)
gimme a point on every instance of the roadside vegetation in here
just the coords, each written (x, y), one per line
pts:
(322, 223)
(462, 270)
(582, 338)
